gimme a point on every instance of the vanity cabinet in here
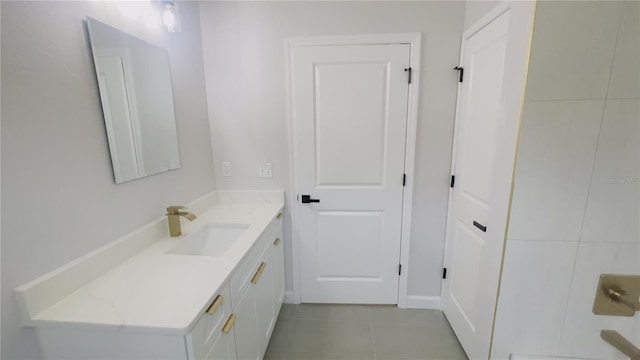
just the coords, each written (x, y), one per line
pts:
(212, 337)
(256, 290)
(236, 325)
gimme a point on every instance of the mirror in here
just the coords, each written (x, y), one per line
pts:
(137, 102)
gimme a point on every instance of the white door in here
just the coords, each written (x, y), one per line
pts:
(350, 114)
(474, 247)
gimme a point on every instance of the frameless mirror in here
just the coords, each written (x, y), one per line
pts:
(137, 102)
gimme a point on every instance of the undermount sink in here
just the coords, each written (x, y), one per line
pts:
(211, 240)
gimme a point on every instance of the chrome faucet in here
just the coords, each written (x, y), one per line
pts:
(174, 214)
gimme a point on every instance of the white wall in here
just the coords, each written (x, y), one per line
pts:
(476, 9)
(59, 199)
(575, 211)
(244, 47)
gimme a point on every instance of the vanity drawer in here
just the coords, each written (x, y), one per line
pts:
(207, 330)
(241, 278)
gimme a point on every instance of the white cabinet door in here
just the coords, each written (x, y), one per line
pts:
(265, 315)
(246, 334)
(224, 348)
(278, 272)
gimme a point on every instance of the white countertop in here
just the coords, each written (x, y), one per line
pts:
(157, 292)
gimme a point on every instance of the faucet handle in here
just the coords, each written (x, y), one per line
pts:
(174, 209)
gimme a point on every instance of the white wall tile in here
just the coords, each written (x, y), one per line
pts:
(613, 206)
(572, 49)
(535, 287)
(581, 332)
(557, 148)
(625, 74)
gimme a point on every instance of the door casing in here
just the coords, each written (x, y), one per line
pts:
(415, 41)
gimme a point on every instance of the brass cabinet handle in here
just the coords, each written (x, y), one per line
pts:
(618, 341)
(258, 273)
(215, 305)
(229, 324)
(276, 242)
(279, 216)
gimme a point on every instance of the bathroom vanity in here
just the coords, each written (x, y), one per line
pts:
(213, 293)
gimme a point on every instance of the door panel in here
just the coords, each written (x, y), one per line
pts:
(344, 233)
(350, 112)
(350, 137)
(469, 292)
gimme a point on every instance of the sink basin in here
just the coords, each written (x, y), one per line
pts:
(211, 240)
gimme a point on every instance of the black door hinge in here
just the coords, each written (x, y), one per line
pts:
(399, 269)
(453, 180)
(460, 71)
(404, 179)
(444, 273)
(409, 71)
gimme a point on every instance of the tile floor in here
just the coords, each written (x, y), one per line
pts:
(314, 332)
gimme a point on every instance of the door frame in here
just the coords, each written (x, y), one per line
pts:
(415, 41)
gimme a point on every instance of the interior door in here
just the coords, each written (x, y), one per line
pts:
(474, 247)
(350, 115)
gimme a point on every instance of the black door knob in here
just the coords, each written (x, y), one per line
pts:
(307, 199)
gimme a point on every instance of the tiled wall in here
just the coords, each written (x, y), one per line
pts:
(575, 206)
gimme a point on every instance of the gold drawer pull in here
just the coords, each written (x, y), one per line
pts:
(215, 305)
(229, 324)
(276, 242)
(279, 216)
(258, 274)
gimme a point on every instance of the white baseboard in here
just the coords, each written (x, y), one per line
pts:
(288, 298)
(423, 302)
(413, 301)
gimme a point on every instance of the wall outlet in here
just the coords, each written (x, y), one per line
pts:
(265, 170)
(226, 168)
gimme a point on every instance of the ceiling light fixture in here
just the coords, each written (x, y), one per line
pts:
(170, 15)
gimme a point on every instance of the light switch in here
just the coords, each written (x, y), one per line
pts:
(226, 168)
(265, 170)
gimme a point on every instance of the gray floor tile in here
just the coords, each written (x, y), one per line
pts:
(271, 354)
(316, 332)
(281, 336)
(394, 315)
(349, 313)
(449, 352)
(310, 355)
(455, 355)
(347, 338)
(287, 311)
(414, 342)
